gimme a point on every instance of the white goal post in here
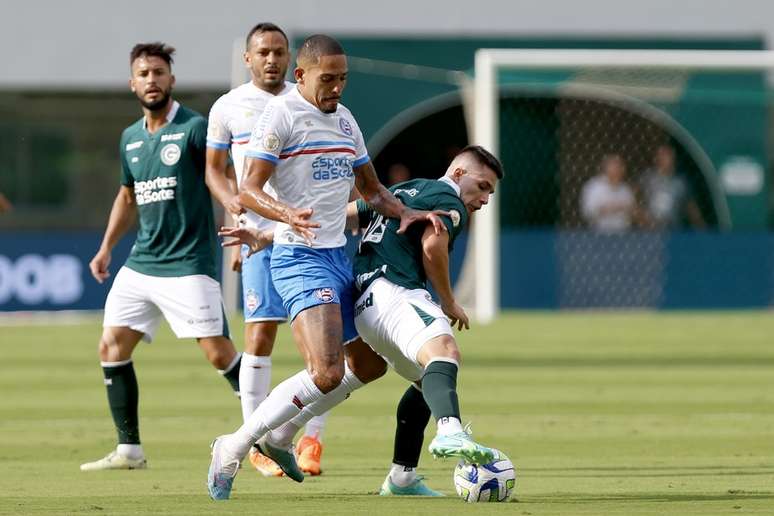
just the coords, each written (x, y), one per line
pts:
(488, 62)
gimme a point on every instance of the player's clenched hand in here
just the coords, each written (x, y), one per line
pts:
(456, 315)
(233, 206)
(300, 222)
(410, 216)
(99, 266)
(254, 240)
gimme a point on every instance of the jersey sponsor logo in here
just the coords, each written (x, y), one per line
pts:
(346, 127)
(135, 159)
(367, 303)
(155, 190)
(455, 217)
(133, 145)
(411, 192)
(326, 295)
(360, 279)
(172, 137)
(170, 154)
(251, 300)
(328, 169)
(271, 142)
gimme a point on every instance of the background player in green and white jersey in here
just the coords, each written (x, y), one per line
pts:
(231, 122)
(171, 269)
(397, 317)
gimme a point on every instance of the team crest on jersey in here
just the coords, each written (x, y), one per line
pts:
(346, 127)
(325, 295)
(271, 142)
(170, 154)
(455, 217)
(251, 300)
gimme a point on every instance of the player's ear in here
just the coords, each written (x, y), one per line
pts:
(246, 59)
(172, 83)
(131, 85)
(298, 73)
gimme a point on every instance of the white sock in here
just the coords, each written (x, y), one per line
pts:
(449, 425)
(402, 476)
(316, 426)
(284, 435)
(283, 403)
(131, 451)
(254, 382)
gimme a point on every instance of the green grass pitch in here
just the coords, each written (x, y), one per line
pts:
(602, 413)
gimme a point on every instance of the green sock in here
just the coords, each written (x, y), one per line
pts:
(123, 398)
(412, 415)
(232, 373)
(439, 387)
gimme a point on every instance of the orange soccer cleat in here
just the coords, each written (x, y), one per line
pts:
(308, 454)
(264, 465)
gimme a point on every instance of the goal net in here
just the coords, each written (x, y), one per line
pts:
(585, 136)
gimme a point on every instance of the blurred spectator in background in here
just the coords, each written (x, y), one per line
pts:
(607, 201)
(397, 173)
(666, 195)
(5, 204)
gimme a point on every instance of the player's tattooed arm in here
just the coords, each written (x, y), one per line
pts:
(384, 202)
(435, 259)
(257, 172)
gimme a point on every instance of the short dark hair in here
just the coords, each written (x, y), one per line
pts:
(486, 158)
(155, 49)
(318, 45)
(264, 27)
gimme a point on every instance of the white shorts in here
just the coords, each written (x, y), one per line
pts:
(192, 305)
(396, 322)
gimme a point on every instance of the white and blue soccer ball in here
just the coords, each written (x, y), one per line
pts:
(493, 482)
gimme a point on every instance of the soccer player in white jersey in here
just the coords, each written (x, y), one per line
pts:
(231, 121)
(311, 150)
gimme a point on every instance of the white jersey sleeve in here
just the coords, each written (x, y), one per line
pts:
(361, 156)
(218, 131)
(271, 133)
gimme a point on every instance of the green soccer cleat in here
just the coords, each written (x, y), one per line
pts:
(416, 488)
(285, 459)
(462, 446)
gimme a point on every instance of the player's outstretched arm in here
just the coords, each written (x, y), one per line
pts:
(384, 202)
(122, 216)
(435, 259)
(253, 238)
(221, 180)
(257, 172)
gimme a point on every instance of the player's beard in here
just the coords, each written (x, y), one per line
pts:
(159, 104)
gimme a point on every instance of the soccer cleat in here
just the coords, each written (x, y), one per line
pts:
(115, 461)
(308, 454)
(462, 446)
(223, 469)
(285, 459)
(416, 488)
(264, 465)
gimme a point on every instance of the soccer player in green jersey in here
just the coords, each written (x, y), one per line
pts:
(170, 272)
(398, 318)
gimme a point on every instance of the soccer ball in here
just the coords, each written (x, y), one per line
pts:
(493, 482)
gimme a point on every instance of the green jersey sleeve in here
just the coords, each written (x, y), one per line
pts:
(126, 176)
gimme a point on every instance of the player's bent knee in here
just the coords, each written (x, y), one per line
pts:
(220, 351)
(443, 347)
(365, 362)
(328, 378)
(259, 338)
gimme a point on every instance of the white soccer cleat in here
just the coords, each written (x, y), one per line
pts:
(115, 461)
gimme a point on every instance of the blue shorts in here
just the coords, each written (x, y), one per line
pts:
(260, 300)
(307, 277)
